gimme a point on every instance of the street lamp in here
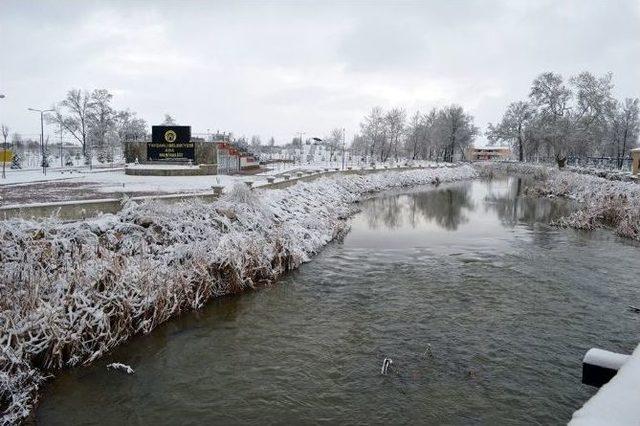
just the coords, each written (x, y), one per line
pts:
(301, 145)
(4, 151)
(42, 111)
(343, 146)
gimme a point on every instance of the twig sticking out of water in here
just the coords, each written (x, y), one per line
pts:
(123, 367)
(385, 366)
(634, 309)
(428, 353)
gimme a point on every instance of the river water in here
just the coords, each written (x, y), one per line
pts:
(485, 310)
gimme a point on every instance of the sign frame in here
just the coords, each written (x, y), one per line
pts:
(171, 143)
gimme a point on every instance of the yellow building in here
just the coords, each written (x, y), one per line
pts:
(635, 156)
(488, 153)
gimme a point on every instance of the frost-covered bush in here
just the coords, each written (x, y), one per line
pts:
(621, 175)
(491, 169)
(605, 202)
(70, 292)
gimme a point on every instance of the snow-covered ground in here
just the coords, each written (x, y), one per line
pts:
(72, 291)
(121, 182)
(26, 176)
(27, 188)
(31, 186)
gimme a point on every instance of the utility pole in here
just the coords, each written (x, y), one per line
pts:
(42, 112)
(4, 150)
(343, 147)
(61, 162)
(301, 145)
(4, 153)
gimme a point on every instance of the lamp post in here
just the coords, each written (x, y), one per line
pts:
(301, 145)
(343, 146)
(4, 151)
(42, 112)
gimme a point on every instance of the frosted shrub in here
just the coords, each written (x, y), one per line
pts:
(70, 292)
(491, 169)
(606, 202)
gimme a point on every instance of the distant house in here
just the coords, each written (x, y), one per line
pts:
(248, 162)
(488, 153)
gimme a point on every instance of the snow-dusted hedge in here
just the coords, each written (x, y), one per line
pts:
(70, 292)
(605, 202)
(610, 174)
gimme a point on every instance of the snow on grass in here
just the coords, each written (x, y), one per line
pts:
(73, 291)
(606, 202)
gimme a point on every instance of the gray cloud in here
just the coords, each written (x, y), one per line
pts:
(275, 68)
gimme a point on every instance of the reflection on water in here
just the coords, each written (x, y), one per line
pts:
(512, 208)
(450, 206)
(445, 207)
(477, 211)
(485, 310)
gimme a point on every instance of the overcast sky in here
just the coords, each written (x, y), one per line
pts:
(276, 68)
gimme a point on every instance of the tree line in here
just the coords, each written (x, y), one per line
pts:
(578, 117)
(100, 129)
(440, 134)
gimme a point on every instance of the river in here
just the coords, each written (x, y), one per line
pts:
(485, 310)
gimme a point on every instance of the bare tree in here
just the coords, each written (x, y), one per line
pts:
(455, 130)
(74, 114)
(395, 127)
(334, 142)
(571, 128)
(256, 145)
(428, 134)
(625, 127)
(130, 127)
(373, 129)
(513, 127)
(168, 120)
(413, 132)
(102, 124)
(592, 109)
(553, 125)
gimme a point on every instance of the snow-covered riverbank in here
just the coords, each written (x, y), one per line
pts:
(606, 202)
(71, 292)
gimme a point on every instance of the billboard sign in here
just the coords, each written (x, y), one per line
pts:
(170, 143)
